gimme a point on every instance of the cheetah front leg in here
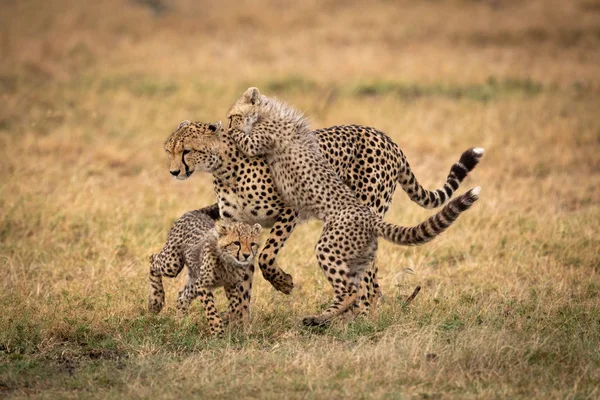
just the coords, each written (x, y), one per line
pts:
(244, 292)
(236, 311)
(212, 315)
(233, 302)
(188, 293)
(279, 234)
(203, 286)
(343, 251)
(369, 292)
(256, 144)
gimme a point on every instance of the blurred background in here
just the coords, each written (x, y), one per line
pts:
(89, 91)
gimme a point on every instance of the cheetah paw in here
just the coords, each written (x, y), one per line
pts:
(284, 283)
(155, 304)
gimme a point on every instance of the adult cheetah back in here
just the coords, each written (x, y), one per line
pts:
(371, 164)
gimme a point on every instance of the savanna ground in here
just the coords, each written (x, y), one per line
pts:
(510, 302)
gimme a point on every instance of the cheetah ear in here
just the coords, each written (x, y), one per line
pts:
(215, 127)
(183, 123)
(221, 229)
(252, 95)
(256, 229)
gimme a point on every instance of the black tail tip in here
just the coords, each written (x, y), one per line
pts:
(471, 157)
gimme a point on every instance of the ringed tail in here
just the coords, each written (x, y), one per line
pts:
(432, 227)
(436, 198)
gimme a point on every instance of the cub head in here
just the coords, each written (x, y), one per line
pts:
(238, 242)
(246, 107)
(193, 146)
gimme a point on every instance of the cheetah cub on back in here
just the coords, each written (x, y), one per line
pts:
(216, 255)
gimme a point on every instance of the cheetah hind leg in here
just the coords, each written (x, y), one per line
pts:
(343, 301)
(156, 294)
(368, 293)
(345, 287)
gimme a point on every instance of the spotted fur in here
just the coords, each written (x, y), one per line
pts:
(306, 181)
(216, 255)
(367, 160)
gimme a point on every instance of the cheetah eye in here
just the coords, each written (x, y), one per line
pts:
(237, 243)
(253, 244)
(186, 152)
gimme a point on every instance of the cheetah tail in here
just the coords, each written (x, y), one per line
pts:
(432, 227)
(436, 198)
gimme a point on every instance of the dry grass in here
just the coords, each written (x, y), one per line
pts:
(510, 301)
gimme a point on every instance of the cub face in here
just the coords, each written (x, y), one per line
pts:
(244, 113)
(238, 242)
(193, 146)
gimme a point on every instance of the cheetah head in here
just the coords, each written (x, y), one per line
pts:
(238, 242)
(245, 108)
(193, 146)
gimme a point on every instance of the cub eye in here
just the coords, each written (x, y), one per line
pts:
(237, 243)
(254, 244)
(186, 152)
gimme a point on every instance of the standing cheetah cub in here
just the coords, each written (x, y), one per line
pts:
(307, 182)
(216, 255)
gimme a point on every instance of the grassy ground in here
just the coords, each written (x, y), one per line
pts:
(510, 306)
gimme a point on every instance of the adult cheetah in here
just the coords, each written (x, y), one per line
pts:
(306, 181)
(216, 255)
(367, 160)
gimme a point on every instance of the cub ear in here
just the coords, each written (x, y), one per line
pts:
(151, 258)
(256, 229)
(215, 127)
(252, 95)
(183, 123)
(221, 229)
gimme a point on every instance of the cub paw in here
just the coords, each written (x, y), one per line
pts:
(156, 302)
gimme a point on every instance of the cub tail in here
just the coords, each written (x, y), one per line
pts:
(432, 227)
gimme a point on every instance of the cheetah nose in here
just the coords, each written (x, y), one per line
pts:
(174, 173)
(246, 256)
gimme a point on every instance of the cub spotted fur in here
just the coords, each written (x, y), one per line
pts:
(216, 255)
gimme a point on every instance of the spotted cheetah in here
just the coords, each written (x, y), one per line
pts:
(367, 160)
(216, 255)
(306, 181)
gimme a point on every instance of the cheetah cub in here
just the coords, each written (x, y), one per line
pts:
(216, 255)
